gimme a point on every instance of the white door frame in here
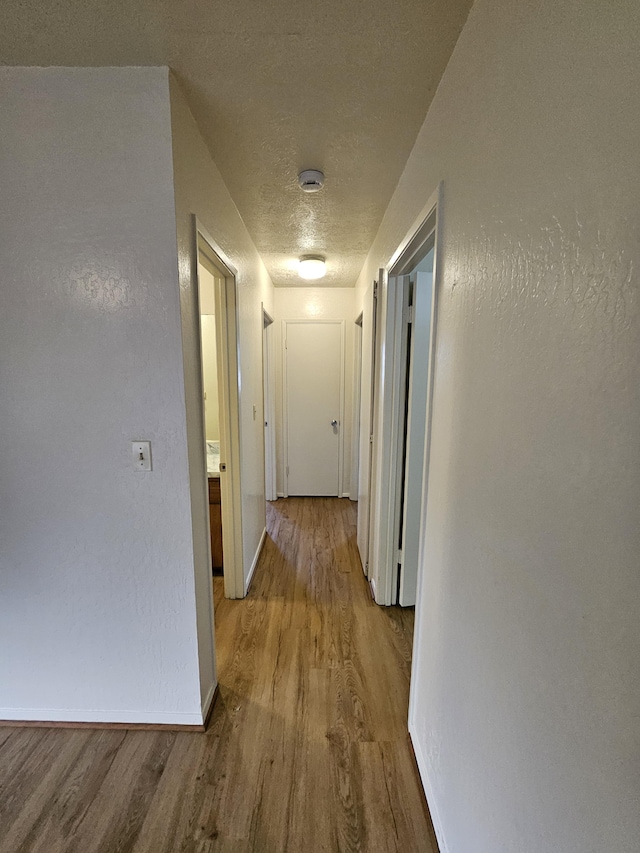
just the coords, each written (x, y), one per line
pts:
(269, 407)
(285, 409)
(382, 471)
(229, 404)
(383, 548)
(368, 410)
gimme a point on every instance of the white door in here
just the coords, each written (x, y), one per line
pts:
(268, 409)
(314, 367)
(416, 435)
(366, 423)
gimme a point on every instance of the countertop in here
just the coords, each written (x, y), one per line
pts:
(213, 459)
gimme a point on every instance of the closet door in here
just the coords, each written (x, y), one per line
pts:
(314, 369)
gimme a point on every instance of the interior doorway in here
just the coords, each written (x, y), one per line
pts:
(403, 392)
(208, 276)
(417, 294)
(217, 308)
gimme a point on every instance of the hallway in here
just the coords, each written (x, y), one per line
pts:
(307, 749)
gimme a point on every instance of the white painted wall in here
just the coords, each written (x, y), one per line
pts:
(97, 598)
(210, 377)
(206, 287)
(200, 189)
(309, 303)
(526, 688)
(207, 290)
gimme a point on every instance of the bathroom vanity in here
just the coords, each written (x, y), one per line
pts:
(215, 509)
(215, 522)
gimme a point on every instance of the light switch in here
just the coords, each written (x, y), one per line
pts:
(141, 455)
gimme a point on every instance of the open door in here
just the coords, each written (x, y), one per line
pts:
(402, 286)
(268, 408)
(415, 440)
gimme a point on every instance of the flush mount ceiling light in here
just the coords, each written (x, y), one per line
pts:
(311, 266)
(311, 180)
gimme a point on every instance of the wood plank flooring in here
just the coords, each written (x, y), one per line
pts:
(307, 748)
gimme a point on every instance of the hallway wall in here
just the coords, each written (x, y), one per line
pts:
(97, 603)
(105, 586)
(526, 709)
(199, 189)
(309, 303)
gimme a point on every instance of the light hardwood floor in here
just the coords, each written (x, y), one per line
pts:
(307, 748)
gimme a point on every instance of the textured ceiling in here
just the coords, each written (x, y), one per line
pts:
(276, 86)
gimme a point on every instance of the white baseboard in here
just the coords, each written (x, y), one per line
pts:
(428, 790)
(255, 561)
(343, 495)
(73, 715)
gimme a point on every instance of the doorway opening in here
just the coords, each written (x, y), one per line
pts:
(217, 309)
(415, 289)
(400, 436)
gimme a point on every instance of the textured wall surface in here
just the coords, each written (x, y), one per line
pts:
(200, 189)
(210, 377)
(526, 686)
(97, 605)
(315, 303)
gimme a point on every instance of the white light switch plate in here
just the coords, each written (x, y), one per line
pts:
(141, 455)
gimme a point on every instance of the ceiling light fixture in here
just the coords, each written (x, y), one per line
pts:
(310, 180)
(311, 267)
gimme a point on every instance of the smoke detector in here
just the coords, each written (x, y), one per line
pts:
(311, 180)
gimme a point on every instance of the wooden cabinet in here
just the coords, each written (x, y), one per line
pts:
(215, 523)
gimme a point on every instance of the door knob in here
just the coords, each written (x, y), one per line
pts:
(334, 423)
